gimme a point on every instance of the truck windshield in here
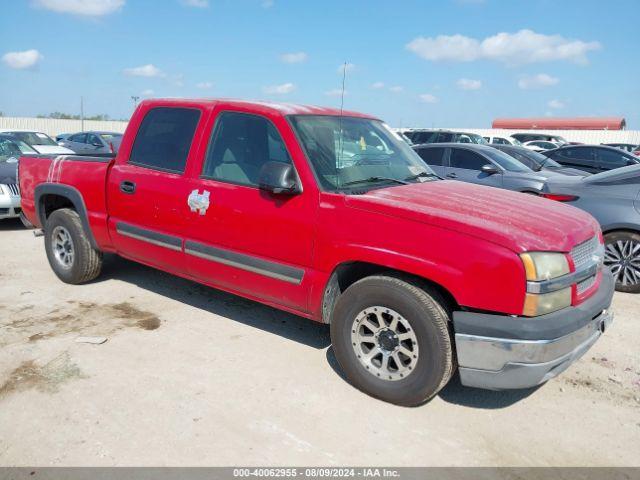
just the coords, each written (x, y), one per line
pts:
(348, 152)
(34, 138)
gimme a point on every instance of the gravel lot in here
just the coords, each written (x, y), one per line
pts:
(192, 376)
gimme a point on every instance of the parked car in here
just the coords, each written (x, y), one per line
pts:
(538, 162)
(591, 158)
(404, 137)
(613, 198)
(530, 137)
(627, 147)
(426, 135)
(62, 136)
(483, 165)
(40, 142)
(502, 140)
(540, 145)
(93, 142)
(10, 152)
(329, 215)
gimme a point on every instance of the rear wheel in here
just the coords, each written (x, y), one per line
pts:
(622, 256)
(69, 250)
(392, 339)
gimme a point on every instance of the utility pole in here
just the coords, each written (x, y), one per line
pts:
(82, 114)
(135, 101)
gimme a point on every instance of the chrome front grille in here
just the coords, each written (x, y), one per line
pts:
(583, 254)
(13, 189)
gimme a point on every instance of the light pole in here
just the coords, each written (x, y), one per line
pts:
(135, 101)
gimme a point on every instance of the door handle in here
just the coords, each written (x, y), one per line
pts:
(452, 175)
(127, 187)
(198, 202)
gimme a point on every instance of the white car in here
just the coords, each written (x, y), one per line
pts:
(40, 142)
(540, 145)
(503, 140)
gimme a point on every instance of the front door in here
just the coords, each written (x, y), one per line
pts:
(466, 165)
(147, 189)
(242, 238)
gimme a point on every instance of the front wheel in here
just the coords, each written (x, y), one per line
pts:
(392, 339)
(622, 257)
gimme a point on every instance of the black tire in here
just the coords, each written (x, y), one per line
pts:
(25, 222)
(630, 261)
(86, 262)
(424, 309)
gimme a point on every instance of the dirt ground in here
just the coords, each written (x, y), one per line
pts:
(192, 376)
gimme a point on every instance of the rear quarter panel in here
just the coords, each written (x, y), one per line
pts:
(86, 176)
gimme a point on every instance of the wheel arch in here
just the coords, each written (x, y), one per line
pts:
(347, 273)
(50, 197)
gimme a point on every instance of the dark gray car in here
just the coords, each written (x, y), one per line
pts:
(484, 165)
(592, 158)
(538, 162)
(90, 143)
(613, 198)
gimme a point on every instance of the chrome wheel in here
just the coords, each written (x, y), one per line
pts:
(384, 343)
(622, 257)
(62, 247)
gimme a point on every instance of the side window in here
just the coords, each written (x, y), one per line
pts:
(610, 160)
(500, 141)
(93, 139)
(433, 156)
(578, 153)
(164, 138)
(240, 145)
(78, 138)
(462, 158)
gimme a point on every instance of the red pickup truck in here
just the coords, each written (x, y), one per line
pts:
(331, 216)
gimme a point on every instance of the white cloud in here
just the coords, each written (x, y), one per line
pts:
(348, 67)
(524, 46)
(396, 88)
(468, 84)
(147, 93)
(279, 89)
(204, 85)
(295, 57)
(22, 60)
(428, 98)
(377, 85)
(148, 70)
(87, 8)
(541, 80)
(195, 3)
(336, 92)
(556, 104)
(267, 3)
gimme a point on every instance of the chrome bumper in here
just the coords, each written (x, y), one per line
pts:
(9, 206)
(525, 352)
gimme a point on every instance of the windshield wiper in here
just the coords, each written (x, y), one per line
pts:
(376, 179)
(423, 175)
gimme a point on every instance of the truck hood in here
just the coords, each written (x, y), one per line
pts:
(52, 149)
(514, 220)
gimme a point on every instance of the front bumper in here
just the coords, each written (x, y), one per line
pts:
(9, 206)
(503, 352)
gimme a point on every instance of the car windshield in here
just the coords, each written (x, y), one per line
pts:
(34, 138)
(506, 161)
(348, 152)
(111, 136)
(10, 147)
(471, 138)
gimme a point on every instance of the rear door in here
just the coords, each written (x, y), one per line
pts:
(434, 157)
(248, 240)
(610, 159)
(466, 165)
(147, 190)
(582, 158)
(95, 144)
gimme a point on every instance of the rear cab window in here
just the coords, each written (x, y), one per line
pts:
(164, 138)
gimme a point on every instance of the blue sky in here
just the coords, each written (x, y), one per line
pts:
(414, 63)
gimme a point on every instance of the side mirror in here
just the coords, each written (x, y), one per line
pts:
(278, 178)
(490, 169)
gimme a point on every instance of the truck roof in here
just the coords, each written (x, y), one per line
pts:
(265, 107)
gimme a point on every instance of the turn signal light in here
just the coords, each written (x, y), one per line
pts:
(558, 197)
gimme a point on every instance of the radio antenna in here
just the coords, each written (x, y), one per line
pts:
(340, 140)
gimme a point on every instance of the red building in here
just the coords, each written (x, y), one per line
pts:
(546, 123)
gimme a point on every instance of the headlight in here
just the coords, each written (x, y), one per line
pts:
(540, 267)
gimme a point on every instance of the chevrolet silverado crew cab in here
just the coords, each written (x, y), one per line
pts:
(331, 216)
